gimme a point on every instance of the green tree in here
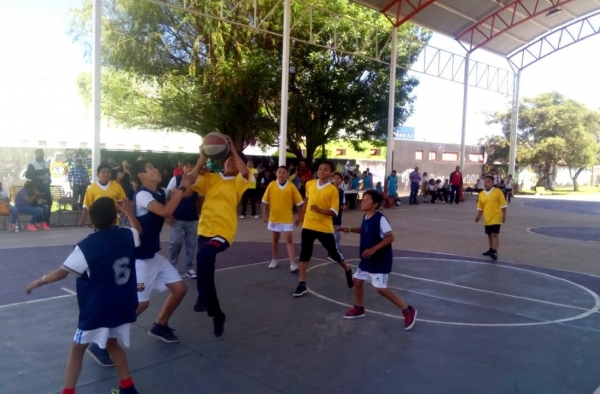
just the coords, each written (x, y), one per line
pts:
(553, 131)
(166, 69)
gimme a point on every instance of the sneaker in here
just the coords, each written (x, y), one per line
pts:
(349, 280)
(100, 356)
(191, 273)
(294, 267)
(242, 216)
(255, 217)
(31, 227)
(300, 290)
(219, 324)
(355, 312)
(12, 228)
(128, 390)
(273, 264)
(201, 305)
(164, 333)
(45, 226)
(409, 318)
(488, 253)
(330, 259)
(494, 256)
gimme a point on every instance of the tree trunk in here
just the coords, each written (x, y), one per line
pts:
(574, 178)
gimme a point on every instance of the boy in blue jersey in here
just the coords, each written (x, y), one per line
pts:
(106, 290)
(376, 259)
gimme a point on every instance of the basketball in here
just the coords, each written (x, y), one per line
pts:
(215, 146)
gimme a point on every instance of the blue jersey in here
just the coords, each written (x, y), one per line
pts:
(337, 220)
(151, 223)
(107, 290)
(372, 232)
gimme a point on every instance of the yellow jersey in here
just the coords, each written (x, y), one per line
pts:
(254, 172)
(281, 199)
(96, 190)
(491, 203)
(221, 197)
(325, 197)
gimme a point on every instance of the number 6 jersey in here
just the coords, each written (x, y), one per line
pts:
(106, 282)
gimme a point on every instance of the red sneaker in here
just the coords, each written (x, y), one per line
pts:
(45, 226)
(31, 227)
(355, 312)
(410, 317)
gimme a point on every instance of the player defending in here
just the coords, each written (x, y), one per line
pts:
(376, 258)
(106, 290)
(278, 202)
(217, 226)
(491, 204)
(322, 203)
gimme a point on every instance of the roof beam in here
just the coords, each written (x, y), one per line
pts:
(556, 40)
(405, 10)
(504, 19)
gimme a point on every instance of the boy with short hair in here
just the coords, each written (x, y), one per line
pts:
(278, 202)
(106, 290)
(103, 187)
(217, 226)
(376, 256)
(491, 204)
(322, 204)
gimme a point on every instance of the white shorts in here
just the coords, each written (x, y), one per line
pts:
(280, 227)
(378, 281)
(99, 336)
(155, 273)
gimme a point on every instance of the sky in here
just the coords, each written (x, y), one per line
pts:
(38, 92)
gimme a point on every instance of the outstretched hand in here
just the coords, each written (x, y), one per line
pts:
(188, 180)
(126, 207)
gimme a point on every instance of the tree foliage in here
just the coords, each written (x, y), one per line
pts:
(552, 131)
(168, 69)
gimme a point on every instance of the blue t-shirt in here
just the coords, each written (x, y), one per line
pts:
(372, 232)
(337, 220)
(355, 183)
(392, 185)
(151, 223)
(107, 290)
(20, 200)
(368, 182)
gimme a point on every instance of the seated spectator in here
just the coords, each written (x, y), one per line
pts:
(346, 184)
(379, 188)
(29, 201)
(431, 191)
(7, 209)
(355, 181)
(439, 187)
(446, 190)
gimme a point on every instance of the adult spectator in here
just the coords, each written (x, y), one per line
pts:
(114, 169)
(178, 171)
(30, 201)
(304, 172)
(38, 172)
(79, 180)
(456, 183)
(415, 182)
(126, 180)
(7, 209)
(294, 178)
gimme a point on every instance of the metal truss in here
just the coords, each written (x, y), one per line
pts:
(405, 10)
(501, 21)
(376, 46)
(556, 40)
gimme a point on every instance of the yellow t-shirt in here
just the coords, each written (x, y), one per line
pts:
(221, 197)
(96, 190)
(491, 203)
(254, 172)
(281, 199)
(325, 197)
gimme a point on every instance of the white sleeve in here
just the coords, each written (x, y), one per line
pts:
(143, 199)
(76, 263)
(167, 192)
(384, 227)
(136, 237)
(172, 184)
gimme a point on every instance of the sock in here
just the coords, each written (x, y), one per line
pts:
(68, 391)
(302, 283)
(126, 383)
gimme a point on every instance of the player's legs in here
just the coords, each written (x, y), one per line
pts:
(74, 363)
(307, 239)
(379, 281)
(253, 200)
(338, 236)
(495, 241)
(289, 243)
(328, 242)
(191, 240)
(120, 359)
(275, 245)
(393, 297)
(245, 198)
(177, 292)
(358, 292)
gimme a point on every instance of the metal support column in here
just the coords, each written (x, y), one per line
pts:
(97, 63)
(285, 78)
(463, 135)
(391, 104)
(512, 155)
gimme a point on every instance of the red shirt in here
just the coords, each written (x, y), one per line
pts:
(178, 171)
(456, 179)
(304, 173)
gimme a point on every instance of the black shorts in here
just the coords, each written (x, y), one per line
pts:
(308, 238)
(493, 229)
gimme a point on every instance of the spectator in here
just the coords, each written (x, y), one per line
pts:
(431, 191)
(424, 184)
(7, 209)
(379, 188)
(38, 172)
(391, 187)
(294, 178)
(509, 188)
(456, 184)
(415, 180)
(367, 181)
(355, 181)
(446, 190)
(79, 180)
(263, 181)
(30, 201)
(304, 172)
(251, 194)
(178, 171)
(114, 169)
(126, 180)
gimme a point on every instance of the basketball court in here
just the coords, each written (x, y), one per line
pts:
(525, 324)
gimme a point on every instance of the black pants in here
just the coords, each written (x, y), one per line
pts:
(454, 194)
(249, 194)
(206, 258)
(308, 238)
(79, 194)
(507, 194)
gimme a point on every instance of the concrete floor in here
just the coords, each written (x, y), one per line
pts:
(527, 324)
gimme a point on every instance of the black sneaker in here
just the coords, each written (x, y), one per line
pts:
(300, 290)
(99, 355)
(349, 280)
(201, 305)
(219, 324)
(494, 256)
(488, 253)
(164, 333)
(128, 390)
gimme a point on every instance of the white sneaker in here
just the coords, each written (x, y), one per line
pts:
(294, 267)
(256, 217)
(192, 274)
(273, 264)
(242, 216)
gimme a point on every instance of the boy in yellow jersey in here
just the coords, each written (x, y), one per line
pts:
(491, 204)
(103, 187)
(217, 226)
(278, 202)
(322, 203)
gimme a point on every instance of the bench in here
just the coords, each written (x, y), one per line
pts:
(63, 200)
